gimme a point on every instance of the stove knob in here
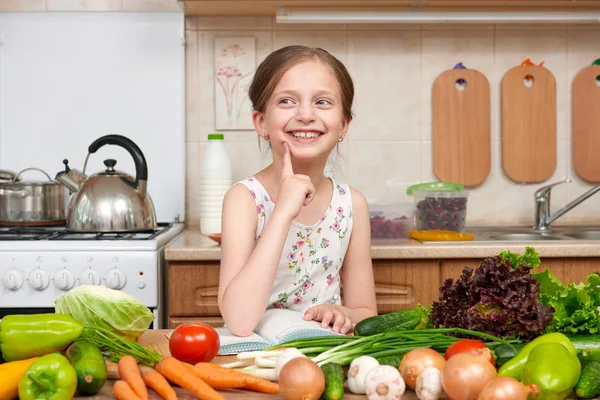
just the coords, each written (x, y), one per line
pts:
(38, 279)
(64, 279)
(90, 277)
(12, 279)
(115, 279)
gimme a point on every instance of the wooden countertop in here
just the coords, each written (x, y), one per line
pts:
(193, 246)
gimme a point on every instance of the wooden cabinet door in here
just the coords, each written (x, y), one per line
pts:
(193, 289)
(216, 322)
(566, 269)
(403, 284)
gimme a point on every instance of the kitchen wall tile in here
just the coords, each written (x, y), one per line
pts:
(330, 40)
(192, 87)
(587, 212)
(386, 69)
(192, 183)
(22, 5)
(371, 164)
(206, 79)
(84, 5)
(513, 46)
(239, 23)
(151, 5)
(442, 50)
(514, 201)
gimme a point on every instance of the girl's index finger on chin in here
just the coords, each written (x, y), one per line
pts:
(287, 169)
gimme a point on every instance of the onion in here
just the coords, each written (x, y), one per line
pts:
(301, 379)
(287, 355)
(465, 374)
(415, 361)
(507, 388)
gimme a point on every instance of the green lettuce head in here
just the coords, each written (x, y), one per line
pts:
(106, 308)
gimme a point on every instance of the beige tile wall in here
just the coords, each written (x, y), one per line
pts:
(393, 67)
(88, 5)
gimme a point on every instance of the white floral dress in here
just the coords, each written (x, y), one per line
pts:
(312, 257)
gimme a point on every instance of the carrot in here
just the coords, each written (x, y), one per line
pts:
(123, 391)
(156, 381)
(176, 371)
(227, 378)
(129, 372)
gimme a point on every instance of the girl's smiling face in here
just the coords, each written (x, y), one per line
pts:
(305, 110)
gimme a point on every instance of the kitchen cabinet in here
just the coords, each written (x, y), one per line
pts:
(399, 283)
(193, 288)
(269, 7)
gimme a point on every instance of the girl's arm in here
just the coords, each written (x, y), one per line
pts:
(357, 271)
(248, 267)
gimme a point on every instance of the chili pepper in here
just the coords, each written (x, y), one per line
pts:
(26, 336)
(439, 235)
(514, 367)
(51, 377)
(553, 369)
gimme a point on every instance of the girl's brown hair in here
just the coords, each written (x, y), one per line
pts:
(269, 73)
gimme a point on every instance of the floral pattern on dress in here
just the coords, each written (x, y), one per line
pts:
(311, 261)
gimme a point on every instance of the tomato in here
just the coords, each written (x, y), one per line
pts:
(469, 346)
(195, 342)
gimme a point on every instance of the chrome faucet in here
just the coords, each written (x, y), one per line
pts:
(543, 218)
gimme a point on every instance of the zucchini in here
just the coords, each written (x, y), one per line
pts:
(588, 385)
(334, 381)
(504, 352)
(403, 320)
(89, 366)
(587, 346)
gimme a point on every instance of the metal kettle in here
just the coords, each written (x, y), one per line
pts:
(109, 201)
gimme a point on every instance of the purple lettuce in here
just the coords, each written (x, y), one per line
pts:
(496, 299)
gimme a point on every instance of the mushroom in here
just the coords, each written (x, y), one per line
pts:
(384, 383)
(429, 384)
(357, 372)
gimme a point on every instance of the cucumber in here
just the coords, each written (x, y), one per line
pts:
(588, 385)
(402, 320)
(334, 381)
(89, 366)
(504, 352)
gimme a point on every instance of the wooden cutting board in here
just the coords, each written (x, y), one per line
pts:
(528, 124)
(461, 127)
(586, 124)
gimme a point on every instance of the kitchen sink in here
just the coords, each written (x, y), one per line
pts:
(525, 237)
(583, 235)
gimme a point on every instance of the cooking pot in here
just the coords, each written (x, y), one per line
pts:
(109, 201)
(31, 203)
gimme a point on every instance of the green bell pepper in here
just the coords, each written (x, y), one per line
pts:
(50, 377)
(553, 369)
(514, 367)
(26, 336)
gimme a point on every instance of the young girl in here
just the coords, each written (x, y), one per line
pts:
(290, 236)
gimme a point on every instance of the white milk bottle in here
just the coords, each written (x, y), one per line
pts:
(215, 181)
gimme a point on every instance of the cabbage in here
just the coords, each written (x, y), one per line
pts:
(106, 308)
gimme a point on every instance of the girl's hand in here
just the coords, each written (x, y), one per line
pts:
(295, 190)
(330, 313)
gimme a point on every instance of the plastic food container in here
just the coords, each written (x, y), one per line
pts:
(439, 206)
(391, 220)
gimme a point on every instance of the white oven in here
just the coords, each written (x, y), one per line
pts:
(39, 264)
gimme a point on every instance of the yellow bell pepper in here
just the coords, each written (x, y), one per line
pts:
(10, 375)
(439, 235)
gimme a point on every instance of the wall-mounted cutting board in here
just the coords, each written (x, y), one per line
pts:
(461, 127)
(586, 124)
(528, 124)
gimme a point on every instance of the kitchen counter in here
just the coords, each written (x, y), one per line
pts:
(193, 246)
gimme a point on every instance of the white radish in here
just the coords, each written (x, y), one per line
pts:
(429, 384)
(357, 372)
(384, 383)
(285, 357)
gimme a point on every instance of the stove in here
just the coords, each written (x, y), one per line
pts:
(40, 264)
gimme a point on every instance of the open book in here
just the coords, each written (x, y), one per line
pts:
(276, 326)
